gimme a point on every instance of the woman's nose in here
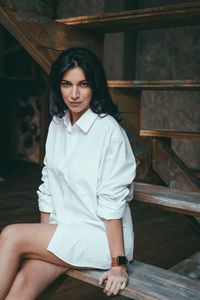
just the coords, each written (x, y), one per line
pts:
(75, 92)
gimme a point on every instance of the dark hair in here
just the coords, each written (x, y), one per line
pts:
(101, 101)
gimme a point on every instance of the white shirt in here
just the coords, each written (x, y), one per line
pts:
(87, 177)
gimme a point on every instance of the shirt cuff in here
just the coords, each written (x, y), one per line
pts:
(110, 213)
(44, 203)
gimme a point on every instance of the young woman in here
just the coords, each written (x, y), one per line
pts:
(87, 184)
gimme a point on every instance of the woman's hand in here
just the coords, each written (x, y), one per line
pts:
(117, 279)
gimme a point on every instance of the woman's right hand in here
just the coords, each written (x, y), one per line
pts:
(117, 279)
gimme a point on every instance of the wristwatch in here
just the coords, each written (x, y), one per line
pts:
(119, 261)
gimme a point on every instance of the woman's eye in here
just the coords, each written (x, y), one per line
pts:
(65, 83)
(84, 84)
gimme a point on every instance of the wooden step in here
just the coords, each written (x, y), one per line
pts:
(140, 19)
(189, 267)
(147, 282)
(44, 38)
(170, 134)
(180, 201)
(156, 85)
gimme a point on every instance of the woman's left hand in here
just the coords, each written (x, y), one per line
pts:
(117, 279)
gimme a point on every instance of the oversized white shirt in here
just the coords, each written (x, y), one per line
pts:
(87, 177)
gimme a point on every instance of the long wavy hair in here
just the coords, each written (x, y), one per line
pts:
(101, 101)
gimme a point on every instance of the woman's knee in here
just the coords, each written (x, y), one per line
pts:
(11, 237)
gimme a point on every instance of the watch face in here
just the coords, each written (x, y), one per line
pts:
(121, 260)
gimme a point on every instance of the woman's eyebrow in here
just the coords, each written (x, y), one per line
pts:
(64, 80)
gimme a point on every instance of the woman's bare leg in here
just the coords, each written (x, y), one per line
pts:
(21, 241)
(33, 277)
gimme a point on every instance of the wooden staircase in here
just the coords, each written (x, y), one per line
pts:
(44, 38)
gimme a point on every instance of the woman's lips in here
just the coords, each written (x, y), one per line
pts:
(75, 103)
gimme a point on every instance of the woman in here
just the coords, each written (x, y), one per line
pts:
(87, 183)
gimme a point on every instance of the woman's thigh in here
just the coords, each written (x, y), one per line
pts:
(31, 241)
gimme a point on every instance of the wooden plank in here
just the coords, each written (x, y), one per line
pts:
(128, 102)
(147, 282)
(170, 134)
(156, 84)
(176, 200)
(44, 38)
(189, 267)
(140, 19)
(171, 168)
(197, 174)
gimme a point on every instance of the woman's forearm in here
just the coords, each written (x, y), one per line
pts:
(44, 217)
(115, 237)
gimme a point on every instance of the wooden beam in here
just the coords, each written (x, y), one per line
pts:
(140, 19)
(170, 134)
(176, 200)
(147, 282)
(156, 85)
(171, 168)
(128, 102)
(44, 38)
(189, 267)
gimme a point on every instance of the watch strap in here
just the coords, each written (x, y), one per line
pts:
(119, 261)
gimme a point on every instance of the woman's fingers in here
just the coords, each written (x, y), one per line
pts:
(123, 285)
(102, 278)
(115, 282)
(108, 286)
(112, 288)
(118, 288)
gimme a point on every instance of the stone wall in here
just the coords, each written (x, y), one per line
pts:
(171, 54)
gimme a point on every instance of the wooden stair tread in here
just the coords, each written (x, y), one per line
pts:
(170, 134)
(189, 267)
(155, 84)
(140, 19)
(176, 200)
(147, 282)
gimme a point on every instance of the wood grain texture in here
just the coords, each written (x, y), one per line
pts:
(176, 200)
(44, 38)
(147, 282)
(170, 134)
(128, 102)
(140, 19)
(189, 267)
(171, 168)
(156, 84)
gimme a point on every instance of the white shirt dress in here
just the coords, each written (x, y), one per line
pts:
(87, 177)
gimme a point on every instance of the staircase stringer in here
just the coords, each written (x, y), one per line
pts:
(44, 38)
(172, 169)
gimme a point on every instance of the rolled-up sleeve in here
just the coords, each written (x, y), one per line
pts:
(44, 196)
(45, 202)
(117, 172)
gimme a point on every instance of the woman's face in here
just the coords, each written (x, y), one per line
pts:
(76, 92)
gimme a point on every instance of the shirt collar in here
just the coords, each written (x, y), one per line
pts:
(84, 122)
